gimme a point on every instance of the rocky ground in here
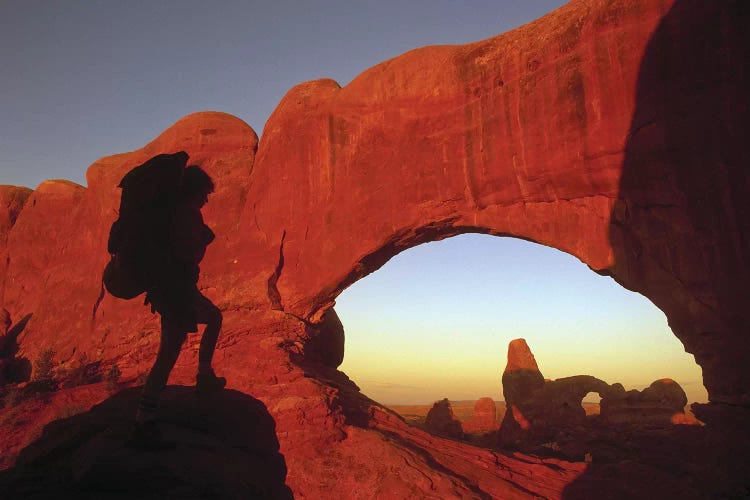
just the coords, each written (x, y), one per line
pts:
(226, 447)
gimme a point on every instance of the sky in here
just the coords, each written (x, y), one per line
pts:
(86, 79)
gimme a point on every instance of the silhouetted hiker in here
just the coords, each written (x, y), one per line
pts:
(157, 245)
(175, 296)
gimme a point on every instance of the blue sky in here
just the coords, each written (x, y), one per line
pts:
(86, 79)
(83, 80)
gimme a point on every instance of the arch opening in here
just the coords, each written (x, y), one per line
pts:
(436, 320)
(591, 403)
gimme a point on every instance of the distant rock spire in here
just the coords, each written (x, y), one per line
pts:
(521, 376)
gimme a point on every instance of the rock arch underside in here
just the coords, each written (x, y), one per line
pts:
(614, 130)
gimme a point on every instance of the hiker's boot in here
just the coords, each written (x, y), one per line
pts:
(147, 436)
(207, 383)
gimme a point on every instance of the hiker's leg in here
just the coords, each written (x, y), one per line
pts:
(210, 315)
(172, 337)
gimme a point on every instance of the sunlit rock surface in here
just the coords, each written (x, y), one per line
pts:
(12, 200)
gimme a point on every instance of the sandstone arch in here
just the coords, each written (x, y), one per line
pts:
(546, 138)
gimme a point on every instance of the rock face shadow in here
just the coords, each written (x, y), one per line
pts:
(679, 227)
(226, 448)
(13, 368)
(710, 461)
(680, 232)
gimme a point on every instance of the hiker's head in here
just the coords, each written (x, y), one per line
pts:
(196, 185)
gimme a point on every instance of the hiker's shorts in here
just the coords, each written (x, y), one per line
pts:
(177, 304)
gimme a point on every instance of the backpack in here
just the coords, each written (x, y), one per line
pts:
(139, 242)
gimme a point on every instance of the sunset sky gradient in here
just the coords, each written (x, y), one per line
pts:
(83, 80)
(436, 321)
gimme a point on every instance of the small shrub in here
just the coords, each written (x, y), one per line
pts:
(13, 396)
(39, 389)
(44, 366)
(17, 394)
(112, 377)
(44, 373)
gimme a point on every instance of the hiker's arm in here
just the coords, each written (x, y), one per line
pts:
(187, 241)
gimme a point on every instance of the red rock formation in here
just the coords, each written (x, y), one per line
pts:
(662, 402)
(327, 342)
(612, 130)
(529, 134)
(552, 412)
(12, 200)
(521, 376)
(484, 418)
(442, 422)
(57, 247)
(538, 409)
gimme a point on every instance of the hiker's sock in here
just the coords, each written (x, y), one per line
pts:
(146, 410)
(205, 368)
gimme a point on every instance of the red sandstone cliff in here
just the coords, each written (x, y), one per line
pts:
(568, 131)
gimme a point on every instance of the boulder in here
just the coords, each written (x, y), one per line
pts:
(663, 402)
(442, 422)
(326, 343)
(484, 418)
